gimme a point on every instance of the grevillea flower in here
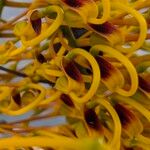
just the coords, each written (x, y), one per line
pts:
(22, 30)
(81, 85)
(108, 31)
(131, 124)
(80, 8)
(111, 76)
(92, 120)
(29, 29)
(73, 79)
(105, 28)
(71, 70)
(15, 100)
(35, 21)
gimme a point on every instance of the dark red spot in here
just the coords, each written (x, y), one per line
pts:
(57, 47)
(67, 100)
(105, 67)
(41, 58)
(75, 3)
(87, 48)
(17, 98)
(74, 133)
(100, 53)
(92, 119)
(36, 22)
(72, 70)
(105, 28)
(125, 115)
(144, 83)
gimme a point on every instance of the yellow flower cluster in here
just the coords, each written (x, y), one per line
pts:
(82, 63)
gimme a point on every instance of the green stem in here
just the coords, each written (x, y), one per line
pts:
(69, 35)
(13, 72)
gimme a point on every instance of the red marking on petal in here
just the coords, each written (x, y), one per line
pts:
(91, 119)
(144, 83)
(36, 22)
(57, 47)
(105, 67)
(41, 58)
(105, 28)
(75, 3)
(125, 115)
(67, 100)
(72, 70)
(17, 98)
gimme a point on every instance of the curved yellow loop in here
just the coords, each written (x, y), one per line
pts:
(96, 76)
(62, 49)
(142, 25)
(30, 106)
(43, 141)
(141, 4)
(55, 25)
(53, 142)
(106, 14)
(125, 61)
(117, 125)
